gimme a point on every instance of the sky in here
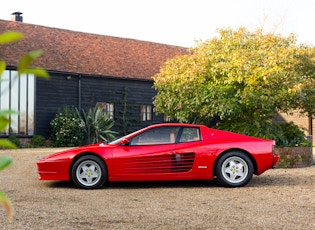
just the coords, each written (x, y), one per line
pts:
(174, 22)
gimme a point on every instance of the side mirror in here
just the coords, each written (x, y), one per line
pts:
(125, 141)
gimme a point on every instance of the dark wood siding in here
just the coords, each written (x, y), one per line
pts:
(54, 94)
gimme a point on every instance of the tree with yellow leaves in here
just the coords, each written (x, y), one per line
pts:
(243, 78)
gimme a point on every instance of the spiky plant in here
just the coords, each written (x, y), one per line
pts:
(96, 125)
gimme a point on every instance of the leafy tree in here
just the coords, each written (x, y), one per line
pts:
(23, 67)
(96, 126)
(242, 77)
(306, 87)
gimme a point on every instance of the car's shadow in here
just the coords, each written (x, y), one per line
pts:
(163, 184)
(142, 184)
(257, 181)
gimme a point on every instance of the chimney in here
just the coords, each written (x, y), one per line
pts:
(16, 16)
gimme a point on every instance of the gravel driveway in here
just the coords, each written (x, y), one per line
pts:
(277, 199)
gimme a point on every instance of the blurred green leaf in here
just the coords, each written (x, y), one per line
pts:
(10, 36)
(7, 112)
(38, 72)
(28, 59)
(5, 161)
(3, 123)
(2, 67)
(7, 144)
(6, 203)
(4, 120)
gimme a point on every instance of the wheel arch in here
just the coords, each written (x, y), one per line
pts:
(82, 155)
(231, 150)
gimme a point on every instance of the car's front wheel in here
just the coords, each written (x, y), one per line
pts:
(89, 172)
(234, 169)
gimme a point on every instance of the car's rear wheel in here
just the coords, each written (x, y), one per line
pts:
(234, 169)
(89, 172)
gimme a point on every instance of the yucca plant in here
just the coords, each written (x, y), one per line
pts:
(96, 126)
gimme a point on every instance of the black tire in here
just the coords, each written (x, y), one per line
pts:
(89, 172)
(234, 169)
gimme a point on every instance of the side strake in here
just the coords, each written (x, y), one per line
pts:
(160, 163)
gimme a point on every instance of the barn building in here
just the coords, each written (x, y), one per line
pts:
(85, 70)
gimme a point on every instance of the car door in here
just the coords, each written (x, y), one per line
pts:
(192, 157)
(147, 156)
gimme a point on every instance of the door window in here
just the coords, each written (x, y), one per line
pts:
(156, 136)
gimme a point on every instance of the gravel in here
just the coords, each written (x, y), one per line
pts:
(277, 199)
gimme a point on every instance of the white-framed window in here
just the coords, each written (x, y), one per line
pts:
(108, 108)
(17, 93)
(145, 112)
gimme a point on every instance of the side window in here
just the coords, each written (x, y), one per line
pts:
(156, 136)
(190, 134)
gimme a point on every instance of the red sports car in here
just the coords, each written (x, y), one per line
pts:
(164, 152)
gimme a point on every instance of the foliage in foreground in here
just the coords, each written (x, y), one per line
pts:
(23, 67)
(5, 161)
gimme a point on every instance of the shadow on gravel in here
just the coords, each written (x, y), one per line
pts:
(141, 185)
(282, 179)
(61, 184)
(164, 184)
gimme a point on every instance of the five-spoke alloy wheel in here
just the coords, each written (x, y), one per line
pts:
(234, 169)
(89, 172)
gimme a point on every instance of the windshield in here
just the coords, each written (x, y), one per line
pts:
(115, 142)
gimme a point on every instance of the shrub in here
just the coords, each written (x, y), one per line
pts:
(290, 135)
(65, 129)
(38, 141)
(285, 134)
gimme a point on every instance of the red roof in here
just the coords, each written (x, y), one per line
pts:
(84, 53)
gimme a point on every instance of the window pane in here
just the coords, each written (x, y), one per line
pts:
(23, 105)
(110, 110)
(156, 136)
(4, 97)
(31, 106)
(107, 108)
(14, 80)
(143, 113)
(149, 113)
(190, 134)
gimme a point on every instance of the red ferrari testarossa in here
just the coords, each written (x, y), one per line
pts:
(164, 152)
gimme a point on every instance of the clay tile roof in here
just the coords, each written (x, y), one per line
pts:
(85, 53)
